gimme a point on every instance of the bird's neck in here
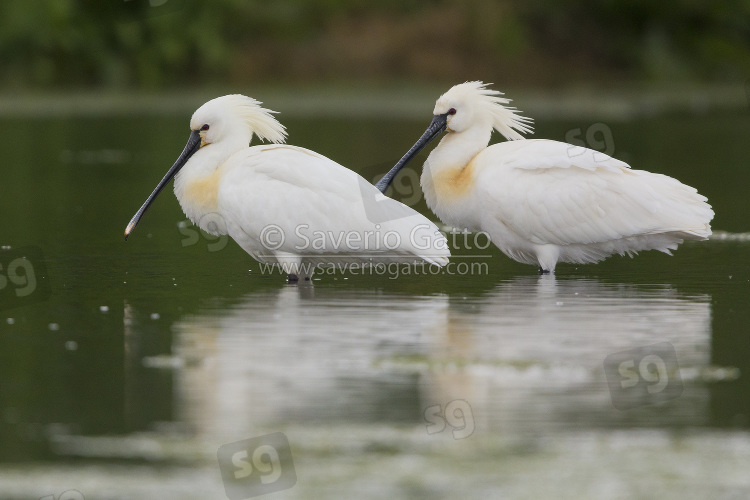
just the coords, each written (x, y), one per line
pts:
(448, 174)
(196, 185)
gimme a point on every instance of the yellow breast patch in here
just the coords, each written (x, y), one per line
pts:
(204, 192)
(454, 182)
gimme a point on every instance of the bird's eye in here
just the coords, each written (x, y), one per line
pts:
(452, 111)
(205, 127)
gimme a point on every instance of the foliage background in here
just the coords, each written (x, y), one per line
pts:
(156, 44)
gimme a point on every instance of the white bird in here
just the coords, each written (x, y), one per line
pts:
(541, 201)
(285, 205)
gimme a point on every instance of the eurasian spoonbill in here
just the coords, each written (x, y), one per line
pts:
(285, 205)
(543, 201)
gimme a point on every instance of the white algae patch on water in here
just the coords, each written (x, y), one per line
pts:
(725, 236)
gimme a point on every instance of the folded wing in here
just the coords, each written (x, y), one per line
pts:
(286, 199)
(552, 192)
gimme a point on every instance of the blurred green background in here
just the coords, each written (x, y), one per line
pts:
(145, 357)
(157, 44)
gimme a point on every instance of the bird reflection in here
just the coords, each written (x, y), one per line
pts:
(531, 352)
(525, 354)
(302, 355)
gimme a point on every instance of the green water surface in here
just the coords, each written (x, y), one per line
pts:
(132, 362)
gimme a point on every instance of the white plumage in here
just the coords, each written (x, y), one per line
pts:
(289, 205)
(544, 201)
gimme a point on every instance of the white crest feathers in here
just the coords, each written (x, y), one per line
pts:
(505, 119)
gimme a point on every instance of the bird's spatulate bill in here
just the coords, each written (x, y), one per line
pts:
(193, 144)
(437, 126)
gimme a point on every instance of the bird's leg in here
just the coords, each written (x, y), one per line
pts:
(547, 256)
(292, 278)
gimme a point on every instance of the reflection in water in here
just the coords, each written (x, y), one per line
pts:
(532, 352)
(526, 355)
(301, 355)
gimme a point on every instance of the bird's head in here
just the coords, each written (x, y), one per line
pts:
(230, 120)
(472, 104)
(235, 117)
(466, 106)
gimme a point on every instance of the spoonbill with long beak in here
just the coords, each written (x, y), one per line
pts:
(542, 201)
(286, 205)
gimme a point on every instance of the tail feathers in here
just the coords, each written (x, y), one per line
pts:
(436, 261)
(684, 212)
(695, 234)
(663, 242)
(699, 233)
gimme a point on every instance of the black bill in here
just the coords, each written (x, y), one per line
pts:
(193, 144)
(436, 127)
